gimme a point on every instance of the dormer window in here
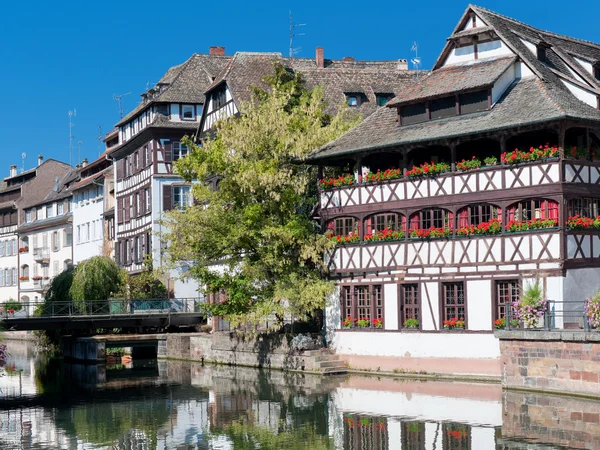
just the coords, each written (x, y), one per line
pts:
(382, 99)
(596, 70)
(354, 99)
(219, 98)
(541, 51)
(188, 112)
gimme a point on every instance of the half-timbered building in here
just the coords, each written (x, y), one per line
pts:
(490, 157)
(149, 142)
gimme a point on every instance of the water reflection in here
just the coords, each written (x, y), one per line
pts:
(47, 404)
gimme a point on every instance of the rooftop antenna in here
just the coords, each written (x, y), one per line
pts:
(100, 139)
(23, 156)
(79, 151)
(71, 115)
(416, 61)
(293, 25)
(119, 98)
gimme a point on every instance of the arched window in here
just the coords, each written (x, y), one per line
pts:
(533, 209)
(431, 218)
(343, 226)
(584, 207)
(477, 213)
(379, 222)
(24, 271)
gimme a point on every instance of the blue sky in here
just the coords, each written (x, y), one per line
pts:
(65, 55)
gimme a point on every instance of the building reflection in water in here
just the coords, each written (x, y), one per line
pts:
(178, 405)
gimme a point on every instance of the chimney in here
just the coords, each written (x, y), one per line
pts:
(40, 160)
(13, 170)
(320, 57)
(84, 163)
(214, 50)
(349, 58)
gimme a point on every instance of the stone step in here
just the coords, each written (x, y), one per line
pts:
(331, 363)
(334, 370)
(321, 358)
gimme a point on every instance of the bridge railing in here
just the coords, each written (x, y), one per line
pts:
(110, 307)
(557, 315)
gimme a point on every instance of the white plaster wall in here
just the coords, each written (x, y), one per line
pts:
(394, 431)
(582, 94)
(493, 49)
(416, 345)
(479, 304)
(469, 24)
(586, 65)
(522, 70)
(421, 407)
(460, 54)
(430, 309)
(503, 83)
(83, 213)
(390, 306)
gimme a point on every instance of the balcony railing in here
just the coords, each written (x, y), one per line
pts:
(486, 179)
(41, 254)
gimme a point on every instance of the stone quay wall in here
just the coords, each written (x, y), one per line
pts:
(551, 361)
(227, 348)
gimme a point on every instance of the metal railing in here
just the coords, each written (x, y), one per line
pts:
(41, 253)
(557, 316)
(110, 307)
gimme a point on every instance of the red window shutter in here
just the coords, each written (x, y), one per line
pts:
(331, 225)
(168, 152)
(167, 198)
(552, 210)
(414, 221)
(511, 212)
(463, 217)
(368, 225)
(403, 222)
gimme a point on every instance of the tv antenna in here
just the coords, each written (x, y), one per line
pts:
(293, 25)
(100, 139)
(79, 151)
(119, 98)
(416, 61)
(71, 125)
(23, 156)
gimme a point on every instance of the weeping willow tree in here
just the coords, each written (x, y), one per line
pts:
(96, 279)
(258, 223)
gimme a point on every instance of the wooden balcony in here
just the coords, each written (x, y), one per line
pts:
(533, 249)
(477, 185)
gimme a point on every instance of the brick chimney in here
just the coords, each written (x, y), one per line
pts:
(84, 163)
(349, 58)
(214, 50)
(320, 57)
(40, 159)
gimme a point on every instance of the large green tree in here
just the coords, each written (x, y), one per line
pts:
(258, 223)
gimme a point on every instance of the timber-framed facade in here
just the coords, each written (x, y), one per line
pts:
(466, 186)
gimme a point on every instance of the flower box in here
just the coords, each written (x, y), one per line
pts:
(493, 226)
(431, 233)
(454, 324)
(471, 164)
(342, 180)
(387, 234)
(428, 169)
(534, 154)
(379, 176)
(529, 225)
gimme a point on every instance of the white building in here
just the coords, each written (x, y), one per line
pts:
(90, 195)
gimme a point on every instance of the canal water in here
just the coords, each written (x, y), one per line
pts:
(49, 404)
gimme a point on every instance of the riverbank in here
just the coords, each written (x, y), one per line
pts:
(18, 336)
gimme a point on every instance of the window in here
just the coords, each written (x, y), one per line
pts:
(443, 107)
(411, 114)
(55, 268)
(381, 221)
(413, 435)
(136, 161)
(473, 102)
(2, 277)
(87, 232)
(431, 218)
(188, 112)
(147, 199)
(25, 272)
(138, 204)
(352, 100)
(55, 241)
(29, 216)
(506, 293)
(2, 248)
(78, 235)
(477, 213)
(147, 153)
(15, 246)
(15, 276)
(533, 209)
(410, 303)
(39, 215)
(219, 98)
(182, 197)
(61, 208)
(454, 305)
(456, 436)
(179, 150)
(49, 211)
(343, 226)
(584, 207)
(596, 70)
(382, 99)
(362, 302)
(68, 238)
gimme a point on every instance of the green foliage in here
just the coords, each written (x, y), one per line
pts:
(13, 304)
(96, 278)
(60, 287)
(146, 284)
(258, 223)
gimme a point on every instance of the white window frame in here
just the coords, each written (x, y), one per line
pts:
(179, 150)
(182, 196)
(190, 109)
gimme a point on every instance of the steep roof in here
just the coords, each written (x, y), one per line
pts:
(541, 98)
(247, 69)
(456, 78)
(186, 82)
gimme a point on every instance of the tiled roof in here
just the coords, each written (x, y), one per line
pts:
(46, 223)
(337, 77)
(186, 82)
(526, 102)
(455, 78)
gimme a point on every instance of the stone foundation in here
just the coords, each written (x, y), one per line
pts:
(553, 361)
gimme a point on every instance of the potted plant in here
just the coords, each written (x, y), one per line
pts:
(347, 323)
(531, 306)
(454, 324)
(411, 323)
(469, 164)
(362, 323)
(378, 323)
(490, 161)
(592, 310)
(333, 182)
